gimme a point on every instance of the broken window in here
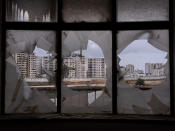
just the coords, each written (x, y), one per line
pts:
(87, 11)
(142, 10)
(30, 72)
(31, 10)
(143, 72)
(86, 80)
(86, 68)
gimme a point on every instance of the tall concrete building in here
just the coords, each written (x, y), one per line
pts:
(154, 69)
(21, 61)
(148, 68)
(77, 66)
(71, 64)
(96, 68)
(26, 64)
(31, 66)
(129, 68)
(48, 63)
(81, 67)
(38, 66)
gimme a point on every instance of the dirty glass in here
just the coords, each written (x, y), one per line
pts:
(31, 10)
(30, 72)
(143, 72)
(87, 10)
(86, 72)
(142, 10)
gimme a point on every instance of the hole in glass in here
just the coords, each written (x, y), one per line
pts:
(85, 80)
(86, 73)
(142, 65)
(30, 72)
(143, 85)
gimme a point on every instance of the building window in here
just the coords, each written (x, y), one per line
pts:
(76, 56)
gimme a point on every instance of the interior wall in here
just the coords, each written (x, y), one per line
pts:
(85, 125)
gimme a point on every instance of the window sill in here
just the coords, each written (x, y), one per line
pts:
(82, 117)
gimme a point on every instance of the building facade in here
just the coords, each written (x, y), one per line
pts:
(129, 68)
(82, 67)
(96, 68)
(26, 64)
(31, 66)
(154, 69)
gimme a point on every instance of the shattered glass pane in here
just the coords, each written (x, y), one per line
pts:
(30, 72)
(142, 10)
(143, 72)
(87, 10)
(86, 72)
(31, 10)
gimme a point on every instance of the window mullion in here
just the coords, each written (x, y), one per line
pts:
(114, 73)
(3, 46)
(59, 69)
(172, 55)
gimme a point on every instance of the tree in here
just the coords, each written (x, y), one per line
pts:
(139, 82)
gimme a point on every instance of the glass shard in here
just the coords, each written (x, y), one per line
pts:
(31, 10)
(30, 72)
(86, 78)
(143, 72)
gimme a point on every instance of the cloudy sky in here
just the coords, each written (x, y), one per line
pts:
(93, 50)
(140, 52)
(137, 53)
(40, 52)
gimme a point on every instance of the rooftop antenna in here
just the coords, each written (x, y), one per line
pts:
(80, 54)
(81, 51)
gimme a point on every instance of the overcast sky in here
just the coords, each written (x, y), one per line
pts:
(137, 53)
(40, 52)
(140, 52)
(93, 50)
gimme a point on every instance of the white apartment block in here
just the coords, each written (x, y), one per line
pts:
(21, 61)
(71, 64)
(48, 63)
(81, 67)
(154, 69)
(31, 66)
(38, 65)
(96, 68)
(129, 68)
(26, 64)
(77, 66)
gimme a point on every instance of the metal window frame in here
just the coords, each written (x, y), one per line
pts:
(112, 26)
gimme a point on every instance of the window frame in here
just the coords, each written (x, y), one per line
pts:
(114, 26)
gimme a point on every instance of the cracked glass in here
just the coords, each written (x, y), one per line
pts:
(86, 72)
(31, 10)
(87, 10)
(142, 10)
(30, 72)
(143, 72)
